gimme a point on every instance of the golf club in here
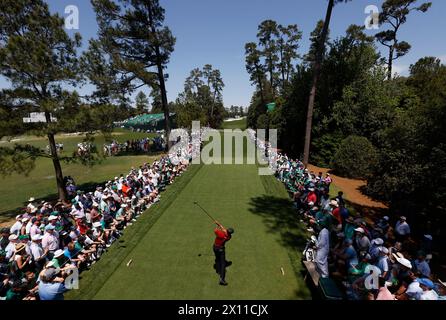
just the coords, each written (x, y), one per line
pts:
(197, 204)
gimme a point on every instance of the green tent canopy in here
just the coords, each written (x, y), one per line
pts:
(271, 106)
(148, 121)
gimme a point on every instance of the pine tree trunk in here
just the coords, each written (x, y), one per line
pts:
(390, 64)
(62, 192)
(161, 80)
(316, 74)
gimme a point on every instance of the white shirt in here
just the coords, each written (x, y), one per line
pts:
(414, 290)
(16, 227)
(34, 230)
(10, 249)
(429, 295)
(28, 227)
(50, 241)
(36, 251)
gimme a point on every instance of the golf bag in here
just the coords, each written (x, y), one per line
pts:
(309, 253)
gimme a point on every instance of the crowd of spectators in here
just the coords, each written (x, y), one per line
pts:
(49, 241)
(135, 146)
(353, 249)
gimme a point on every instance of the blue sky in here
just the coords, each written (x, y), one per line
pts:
(215, 31)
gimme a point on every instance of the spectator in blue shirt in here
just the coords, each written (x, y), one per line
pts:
(50, 287)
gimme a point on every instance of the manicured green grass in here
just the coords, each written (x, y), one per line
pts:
(15, 189)
(171, 244)
(236, 124)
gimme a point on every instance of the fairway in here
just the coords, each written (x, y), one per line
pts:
(174, 258)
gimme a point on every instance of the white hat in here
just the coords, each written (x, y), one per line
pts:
(124, 205)
(386, 218)
(428, 236)
(378, 241)
(405, 262)
(18, 217)
(36, 237)
(58, 253)
(403, 218)
(311, 203)
(31, 199)
(97, 224)
(51, 218)
(360, 230)
(25, 219)
(311, 189)
(334, 203)
(12, 237)
(95, 204)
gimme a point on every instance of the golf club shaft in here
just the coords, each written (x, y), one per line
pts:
(205, 211)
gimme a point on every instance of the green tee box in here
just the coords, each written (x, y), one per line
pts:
(329, 290)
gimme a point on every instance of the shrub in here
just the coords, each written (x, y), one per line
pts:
(355, 158)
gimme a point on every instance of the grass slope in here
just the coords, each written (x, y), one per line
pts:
(15, 189)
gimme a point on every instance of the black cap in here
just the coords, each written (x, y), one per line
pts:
(230, 230)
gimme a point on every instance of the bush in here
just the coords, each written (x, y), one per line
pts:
(355, 158)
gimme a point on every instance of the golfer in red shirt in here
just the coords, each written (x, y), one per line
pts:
(223, 235)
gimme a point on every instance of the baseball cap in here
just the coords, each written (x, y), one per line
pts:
(230, 230)
(50, 273)
(97, 224)
(36, 237)
(426, 282)
(12, 237)
(378, 241)
(51, 218)
(360, 230)
(50, 227)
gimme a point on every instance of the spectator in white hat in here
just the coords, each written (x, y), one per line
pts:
(383, 263)
(17, 226)
(362, 242)
(50, 241)
(38, 253)
(374, 247)
(10, 248)
(402, 229)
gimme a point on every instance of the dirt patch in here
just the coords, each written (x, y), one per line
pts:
(363, 204)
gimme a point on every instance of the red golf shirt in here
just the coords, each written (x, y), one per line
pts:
(221, 238)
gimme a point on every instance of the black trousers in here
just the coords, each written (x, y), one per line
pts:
(220, 261)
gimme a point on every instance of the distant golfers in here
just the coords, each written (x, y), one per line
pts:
(223, 235)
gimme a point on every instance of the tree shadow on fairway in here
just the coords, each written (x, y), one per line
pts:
(281, 218)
